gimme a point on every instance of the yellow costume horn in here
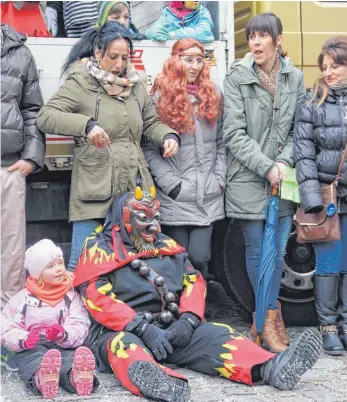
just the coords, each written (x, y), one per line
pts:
(138, 193)
(153, 191)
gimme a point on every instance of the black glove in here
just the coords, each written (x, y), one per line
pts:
(174, 193)
(181, 331)
(154, 338)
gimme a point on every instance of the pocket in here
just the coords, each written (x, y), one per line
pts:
(94, 180)
(233, 167)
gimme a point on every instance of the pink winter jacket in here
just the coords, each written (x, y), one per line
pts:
(25, 312)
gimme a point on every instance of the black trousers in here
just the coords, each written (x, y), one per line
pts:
(29, 362)
(214, 349)
(196, 240)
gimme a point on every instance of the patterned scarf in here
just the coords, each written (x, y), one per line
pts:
(268, 79)
(113, 85)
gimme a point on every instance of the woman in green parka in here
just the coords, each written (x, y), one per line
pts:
(106, 108)
(261, 93)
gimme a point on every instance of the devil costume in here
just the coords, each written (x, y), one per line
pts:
(147, 304)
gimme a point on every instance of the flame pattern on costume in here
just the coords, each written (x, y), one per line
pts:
(115, 292)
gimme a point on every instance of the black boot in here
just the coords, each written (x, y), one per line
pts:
(155, 384)
(285, 369)
(326, 292)
(343, 311)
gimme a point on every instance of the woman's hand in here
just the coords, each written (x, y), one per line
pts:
(170, 148)
(274, 176)
(282, 166)
(97, 136)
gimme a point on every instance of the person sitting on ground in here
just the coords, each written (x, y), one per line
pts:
(118, 11)
(148, 303)
(183, 19)
(45, 322)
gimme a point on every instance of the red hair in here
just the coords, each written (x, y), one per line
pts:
(174, 107)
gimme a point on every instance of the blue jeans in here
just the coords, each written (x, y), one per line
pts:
(80, 231)
(253, 234)
(331, 257)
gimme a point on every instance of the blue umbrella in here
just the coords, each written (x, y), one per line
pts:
(267, 263)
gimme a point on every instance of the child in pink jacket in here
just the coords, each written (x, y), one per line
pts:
(45, 322)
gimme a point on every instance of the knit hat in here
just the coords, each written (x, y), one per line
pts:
(104, 7)
(38, 256)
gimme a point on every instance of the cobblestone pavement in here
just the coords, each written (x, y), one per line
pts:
(327, 381)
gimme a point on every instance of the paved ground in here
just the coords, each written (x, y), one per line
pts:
(327, 381)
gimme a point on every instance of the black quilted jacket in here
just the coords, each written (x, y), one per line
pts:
(320, 136)
(21, 100)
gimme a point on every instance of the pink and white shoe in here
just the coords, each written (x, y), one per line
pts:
(82, 375)
(47, 376)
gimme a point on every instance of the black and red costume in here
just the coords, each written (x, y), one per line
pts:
(119, 299)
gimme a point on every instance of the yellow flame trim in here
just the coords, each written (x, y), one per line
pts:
(117, 346)
(230, 347)
(188, 283)
(91, 305)
(105, 289)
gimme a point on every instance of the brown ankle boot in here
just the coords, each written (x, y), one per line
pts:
(281, 329)
(270, 336)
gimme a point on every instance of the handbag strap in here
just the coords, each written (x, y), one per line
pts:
(341, 163)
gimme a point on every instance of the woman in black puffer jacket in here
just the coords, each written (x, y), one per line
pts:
(320, 137)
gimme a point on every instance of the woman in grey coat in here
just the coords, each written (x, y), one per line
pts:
(261, 93)
(191, 184)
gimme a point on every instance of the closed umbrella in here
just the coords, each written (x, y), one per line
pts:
(267, 263)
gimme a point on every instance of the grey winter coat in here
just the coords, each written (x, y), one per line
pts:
(21, 100)
(200, 167)
(257, 133)
(320, 137)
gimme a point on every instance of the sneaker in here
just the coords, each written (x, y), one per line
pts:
(8, 359)
(47, 376)
(82, 374)
(284, 370)
(155, 384)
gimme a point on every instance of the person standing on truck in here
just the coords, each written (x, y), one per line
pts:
(79, 16)
(106, 108)
(320, 136)
(183, 19)
(191, 184)
(261, 91)
(22, 152)
(118, 11)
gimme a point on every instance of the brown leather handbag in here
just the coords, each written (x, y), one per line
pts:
(322, 226)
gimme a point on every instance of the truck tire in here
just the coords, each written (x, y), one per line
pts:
(228, 264)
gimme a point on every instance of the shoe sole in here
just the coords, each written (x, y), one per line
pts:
(83, 371)
(334, 353)
(305, 352)
(154, 383)
(49, 374)
(9, 368)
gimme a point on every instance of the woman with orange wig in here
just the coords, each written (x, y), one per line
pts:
(191, 184)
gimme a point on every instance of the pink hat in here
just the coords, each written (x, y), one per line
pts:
(38, 256)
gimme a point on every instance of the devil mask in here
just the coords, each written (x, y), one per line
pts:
(141, 218)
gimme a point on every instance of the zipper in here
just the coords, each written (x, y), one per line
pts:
(97, 105)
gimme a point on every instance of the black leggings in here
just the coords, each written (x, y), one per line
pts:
(196, 240)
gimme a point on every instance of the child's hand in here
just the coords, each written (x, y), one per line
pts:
(31, 340)
(55, 333)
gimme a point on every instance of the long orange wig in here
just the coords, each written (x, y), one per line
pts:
(174, 107)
